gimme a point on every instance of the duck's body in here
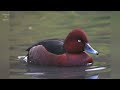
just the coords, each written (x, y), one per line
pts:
(68, 52)
(39, 55)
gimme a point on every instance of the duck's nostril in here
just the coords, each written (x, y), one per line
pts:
(97, 54)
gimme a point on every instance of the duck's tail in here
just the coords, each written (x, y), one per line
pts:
(23, 58)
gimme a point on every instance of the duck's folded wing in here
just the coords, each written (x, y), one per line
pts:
(52, 45)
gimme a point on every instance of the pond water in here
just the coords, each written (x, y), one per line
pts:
(27, 71)
(28, 27)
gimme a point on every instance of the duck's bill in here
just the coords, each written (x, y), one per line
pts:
(89, 49)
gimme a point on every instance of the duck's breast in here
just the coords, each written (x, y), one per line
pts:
(75, 59)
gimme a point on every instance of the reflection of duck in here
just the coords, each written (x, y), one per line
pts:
(68, 52)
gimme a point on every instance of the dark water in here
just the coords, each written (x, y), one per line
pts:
(28, 27)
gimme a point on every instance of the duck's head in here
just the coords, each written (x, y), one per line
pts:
(77, 42)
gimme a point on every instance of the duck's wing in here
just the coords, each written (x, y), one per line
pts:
(52, 45)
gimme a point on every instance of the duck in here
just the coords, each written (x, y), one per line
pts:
(71, 51)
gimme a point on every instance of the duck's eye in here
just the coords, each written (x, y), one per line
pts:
(79, 40)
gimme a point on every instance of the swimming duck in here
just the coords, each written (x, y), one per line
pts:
(71, 51)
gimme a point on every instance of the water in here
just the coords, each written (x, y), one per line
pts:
(28, 27)
(29, 71)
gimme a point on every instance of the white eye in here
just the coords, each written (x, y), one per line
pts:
(79, 40)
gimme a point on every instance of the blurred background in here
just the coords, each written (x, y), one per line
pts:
(28, 27)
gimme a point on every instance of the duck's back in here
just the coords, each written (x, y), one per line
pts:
(52, 45)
